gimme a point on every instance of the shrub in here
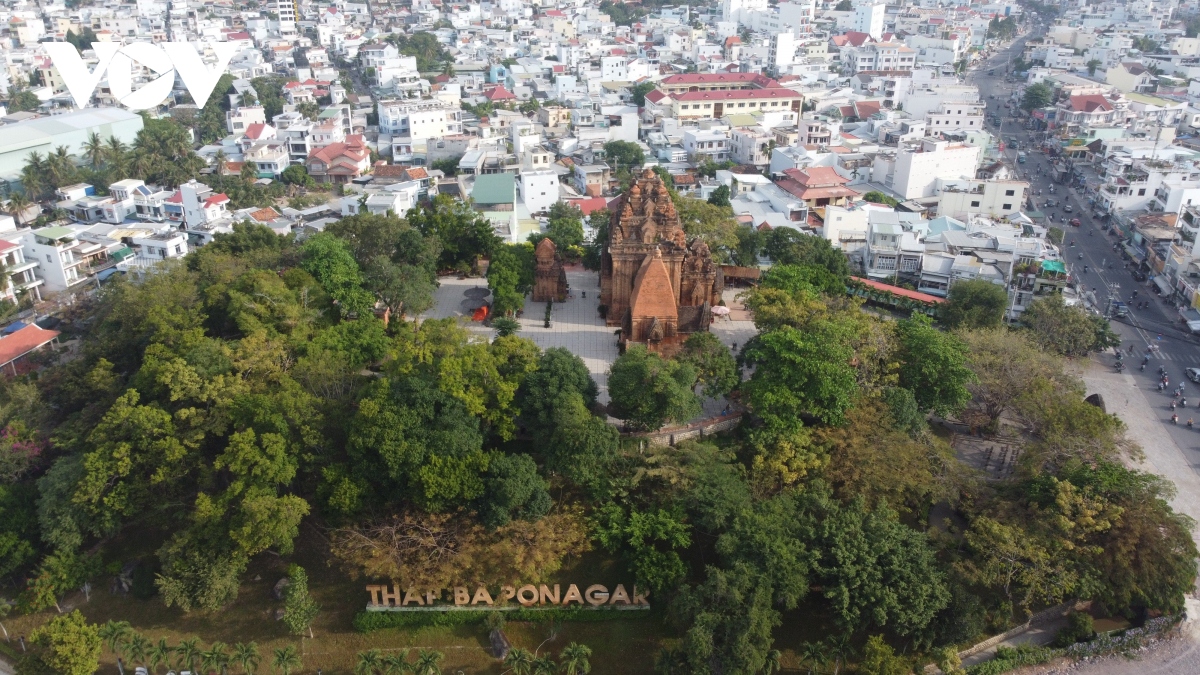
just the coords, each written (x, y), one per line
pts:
(1080, 628)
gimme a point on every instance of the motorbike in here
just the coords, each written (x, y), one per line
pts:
(1174, 419)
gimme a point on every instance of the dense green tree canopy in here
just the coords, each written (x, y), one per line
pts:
(649, 391)
(975, 303)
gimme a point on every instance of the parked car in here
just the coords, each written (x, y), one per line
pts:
(1067, 208)
(1139, 275)
(1049, 204)
(1193, 374)
(1076, 222)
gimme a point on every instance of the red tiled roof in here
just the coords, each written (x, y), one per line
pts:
(6, 245)
(590, 204)
(417, 173)
(902, 292)
(255, 131)
(354, 148)
(499, 94)
(856, 38)
(719, 78)
(177, 198)
(219, 198)
(1090, 103)
(864, 109)
(390, 171)
(654, 96)
(240, 35)
(774, 93)
(20, 343)
(265, 215)
(816, 176)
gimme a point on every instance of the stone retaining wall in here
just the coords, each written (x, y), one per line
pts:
(695, 430)
(1044, 616)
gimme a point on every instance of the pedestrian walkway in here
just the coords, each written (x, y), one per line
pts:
(574, 324)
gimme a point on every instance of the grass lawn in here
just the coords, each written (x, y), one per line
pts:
(617, 646)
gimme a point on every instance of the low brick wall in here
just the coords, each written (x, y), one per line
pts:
(693, 431)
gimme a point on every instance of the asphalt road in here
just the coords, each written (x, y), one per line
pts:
(1106, 277)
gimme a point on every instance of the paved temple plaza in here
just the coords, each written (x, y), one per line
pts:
(576, 323)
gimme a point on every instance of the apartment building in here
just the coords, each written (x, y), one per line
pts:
(993, 198)
(411, 124)
(914, 170)
(63, 261)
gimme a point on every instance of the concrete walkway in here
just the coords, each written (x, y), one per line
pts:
(1037, 636)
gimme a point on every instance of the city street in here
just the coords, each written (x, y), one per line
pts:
(1171, 450)
(1107, 277)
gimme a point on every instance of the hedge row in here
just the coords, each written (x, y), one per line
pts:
(366, 622)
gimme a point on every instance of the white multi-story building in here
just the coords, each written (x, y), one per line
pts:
(956, 116)
(914, 171)
(412, 124)
(992, 198)
(63, 261)
(286, 11)
(889, 56)
(868, 18)
(19, 273)
(710, 144)
(538, 188)
(237, 121)
(750, 145)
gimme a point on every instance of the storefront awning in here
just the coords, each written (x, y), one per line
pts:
(1134, 253)
(1054, 266)
(1163, 283)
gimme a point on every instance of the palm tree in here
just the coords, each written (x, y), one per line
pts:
(115, 634)
(774, 662)
(396, 664)
(812, 653)
(116, 154)
(93, 150)
(1092, 66)
(573, 660)
(286, 660)
(519, 661)
(189, 653)
(216, 658)
(18, 204)
(138, 648)
(33, 175)
(840, 648)
(368, 663)
(246, 656)
(160, 655)
(61, 166)
(428, 662)
(219, 160)
(544, 666)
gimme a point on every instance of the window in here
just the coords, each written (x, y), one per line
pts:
(48, 258)
(1007, 207)
(1142, 192)
(975, 204)
(1009, 193)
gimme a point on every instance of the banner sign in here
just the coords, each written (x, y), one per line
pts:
(597, 596)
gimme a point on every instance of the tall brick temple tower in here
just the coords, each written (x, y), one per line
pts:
(550, 279)
(655, 286)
